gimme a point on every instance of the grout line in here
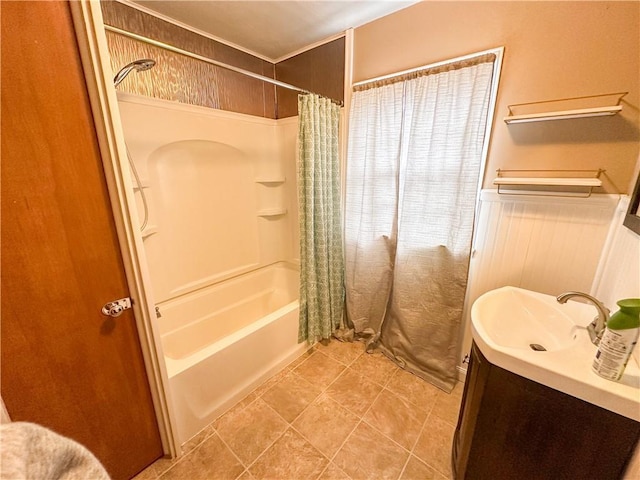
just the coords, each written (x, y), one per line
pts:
(232, 452)
(323, 470)
(386, 436)
(408, 451)
(404, 467)
(346, 439)
(444, 474)
(292, 371)
(246, 470)
(360, 420)
(266, 449)
(424, 424)
(178, 460)
(247, 466)
(348, 367)
(324, 392)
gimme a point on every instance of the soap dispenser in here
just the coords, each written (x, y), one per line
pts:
(618, 340)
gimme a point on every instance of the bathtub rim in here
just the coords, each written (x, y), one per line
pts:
(177, 366)
(236, 275)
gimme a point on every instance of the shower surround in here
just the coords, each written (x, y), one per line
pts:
(220, 246)
(221, 241)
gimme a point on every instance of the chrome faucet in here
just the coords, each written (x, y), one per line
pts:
(595, 328)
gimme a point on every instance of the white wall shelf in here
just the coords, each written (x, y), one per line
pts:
(560, 181)
(550, 181)
(270, 180)
(272, 212)
(568, 113)
(563, 115)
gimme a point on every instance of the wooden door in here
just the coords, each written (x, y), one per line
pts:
(64, 364)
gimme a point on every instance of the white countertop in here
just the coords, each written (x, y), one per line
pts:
(566, 369)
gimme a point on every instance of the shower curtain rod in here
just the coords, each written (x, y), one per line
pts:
(187, 53)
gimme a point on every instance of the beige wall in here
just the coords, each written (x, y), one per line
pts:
(552, 50)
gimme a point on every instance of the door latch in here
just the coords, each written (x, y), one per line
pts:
(115, 308)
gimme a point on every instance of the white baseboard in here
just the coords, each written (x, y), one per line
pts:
(462, 373)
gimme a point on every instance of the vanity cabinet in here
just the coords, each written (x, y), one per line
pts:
(514, 428)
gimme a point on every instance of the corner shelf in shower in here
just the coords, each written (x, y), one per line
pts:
(272, 212)
(148, 231)
(271, 180)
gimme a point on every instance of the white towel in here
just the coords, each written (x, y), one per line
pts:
(32, 452)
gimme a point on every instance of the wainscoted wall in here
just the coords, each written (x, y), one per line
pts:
(618, 277)
(190, 81)
(547, 244)
(618, 274)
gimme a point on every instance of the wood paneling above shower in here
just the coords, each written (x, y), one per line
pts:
(184, 79)
(187, 80)
(319, 70)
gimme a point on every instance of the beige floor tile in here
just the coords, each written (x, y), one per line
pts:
(333, 473)
(197, 439)
(447, 407)
(271, 382)
(246, 475)
(319, 370)
(211, 459)
(307, 353)
(458, 390)
(148, 473)
(397, 418)
(367, 454)
(241, 405)
(375, 367)
(249, 431)
(343, 352)
(354, 392)
(417, 470)
(434, 445)
(326, 425)
(290, 457)
(163, 464)
(290, 396)
(253, 432)
(414, 389)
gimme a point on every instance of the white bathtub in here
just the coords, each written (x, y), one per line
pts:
(234, 335)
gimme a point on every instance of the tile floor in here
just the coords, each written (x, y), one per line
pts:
(334, 413)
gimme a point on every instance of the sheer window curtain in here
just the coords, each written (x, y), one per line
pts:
(414, 159)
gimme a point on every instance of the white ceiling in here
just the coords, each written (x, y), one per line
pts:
(273, 29)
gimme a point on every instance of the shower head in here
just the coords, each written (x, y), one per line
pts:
(138, 65)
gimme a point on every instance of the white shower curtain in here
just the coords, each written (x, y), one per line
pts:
(415, 152)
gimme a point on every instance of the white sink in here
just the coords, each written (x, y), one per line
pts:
(516, 318)
(534, 336)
